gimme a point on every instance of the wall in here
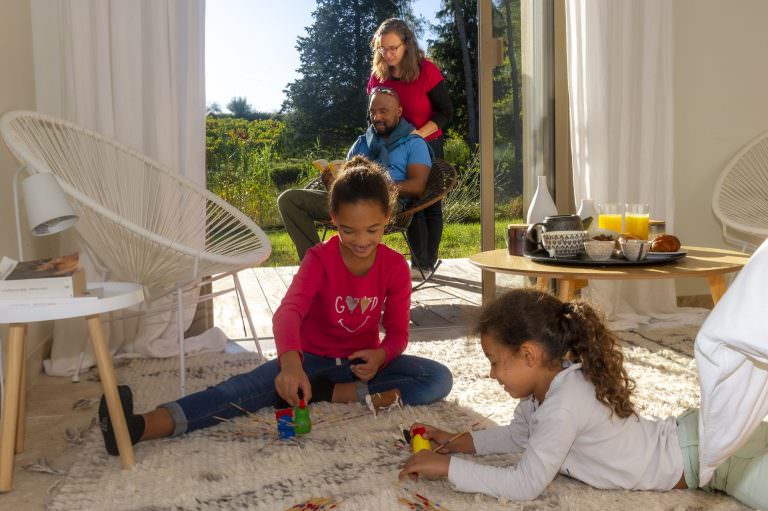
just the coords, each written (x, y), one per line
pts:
(17, 87)
(721, 103)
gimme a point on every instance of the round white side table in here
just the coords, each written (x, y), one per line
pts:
(111, 296)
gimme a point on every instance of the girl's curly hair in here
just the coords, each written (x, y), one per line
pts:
(572, 331)
(361, 179)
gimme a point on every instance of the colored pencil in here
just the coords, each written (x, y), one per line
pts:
(457, 435)
(420, 502)
(315, 504)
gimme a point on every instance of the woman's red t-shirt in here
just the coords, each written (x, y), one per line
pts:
(417, 109)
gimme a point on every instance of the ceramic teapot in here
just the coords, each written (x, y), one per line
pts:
(556, 223)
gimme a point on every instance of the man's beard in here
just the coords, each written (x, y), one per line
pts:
(386, 129)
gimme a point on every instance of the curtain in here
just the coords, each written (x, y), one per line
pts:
(133, 71)
(620, 69)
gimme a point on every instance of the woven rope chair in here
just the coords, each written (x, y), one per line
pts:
(441, 180)
(740, 200)
(142, 221)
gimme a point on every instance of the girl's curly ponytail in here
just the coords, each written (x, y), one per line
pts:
(602, 360)
(572, 331)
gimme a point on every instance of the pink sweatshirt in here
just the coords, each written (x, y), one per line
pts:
(330, 312)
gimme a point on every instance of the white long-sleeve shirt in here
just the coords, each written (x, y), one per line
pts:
(573, 433)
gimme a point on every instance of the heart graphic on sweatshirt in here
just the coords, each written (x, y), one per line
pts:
(352, 303)
(364, 303)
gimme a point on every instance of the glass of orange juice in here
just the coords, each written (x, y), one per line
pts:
(636, 220)
(610, 217)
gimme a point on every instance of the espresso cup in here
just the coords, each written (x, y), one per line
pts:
(635, 250)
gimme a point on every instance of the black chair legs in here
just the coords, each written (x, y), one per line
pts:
(425, 276)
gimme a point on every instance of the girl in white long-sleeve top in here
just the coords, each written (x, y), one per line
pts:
(576, 416)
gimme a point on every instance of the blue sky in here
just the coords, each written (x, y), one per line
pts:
(250, 47)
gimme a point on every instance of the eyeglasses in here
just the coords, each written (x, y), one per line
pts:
(388, 49)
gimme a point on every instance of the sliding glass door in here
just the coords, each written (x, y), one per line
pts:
(516, 112)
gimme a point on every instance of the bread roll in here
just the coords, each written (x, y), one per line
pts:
(665, 243)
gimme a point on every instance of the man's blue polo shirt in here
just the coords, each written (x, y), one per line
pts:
(412, 150)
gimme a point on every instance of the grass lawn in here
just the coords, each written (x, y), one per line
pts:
(459, 240)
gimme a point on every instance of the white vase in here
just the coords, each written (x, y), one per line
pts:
(542, 204)
(587, 209)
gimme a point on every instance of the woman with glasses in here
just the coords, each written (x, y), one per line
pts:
(400, 64)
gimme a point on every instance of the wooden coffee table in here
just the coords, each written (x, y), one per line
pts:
(709, 263)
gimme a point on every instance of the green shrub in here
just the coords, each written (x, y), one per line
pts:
(513, 208)
(286, 174)
(508, 174)
(456, 150)
(462, 205)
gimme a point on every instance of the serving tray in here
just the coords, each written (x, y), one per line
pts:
(654, 258)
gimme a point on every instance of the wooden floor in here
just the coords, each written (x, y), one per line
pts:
(442, 308)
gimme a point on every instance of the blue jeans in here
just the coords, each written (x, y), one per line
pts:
(421, 381)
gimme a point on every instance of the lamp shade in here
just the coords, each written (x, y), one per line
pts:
(48, 211)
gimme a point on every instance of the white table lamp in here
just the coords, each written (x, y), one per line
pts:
(48, 210)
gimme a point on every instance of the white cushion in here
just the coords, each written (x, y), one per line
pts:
(732, 359)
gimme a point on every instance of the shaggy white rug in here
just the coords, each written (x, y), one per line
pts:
(240, 465)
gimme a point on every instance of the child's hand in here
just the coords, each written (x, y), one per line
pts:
(291, 378)
(435, 435)
(427, 464)
(374, 359)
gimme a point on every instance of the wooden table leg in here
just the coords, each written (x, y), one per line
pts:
(542, 284)
(717, 287)
(567, 287)
(581, 284)
(109, 386)
(22, 417)
(9, 421)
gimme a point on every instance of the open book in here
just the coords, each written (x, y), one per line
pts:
(332, 166)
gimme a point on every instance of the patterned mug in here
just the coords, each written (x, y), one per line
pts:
(564, 244)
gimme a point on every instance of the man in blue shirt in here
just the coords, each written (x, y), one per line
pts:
(390, 142)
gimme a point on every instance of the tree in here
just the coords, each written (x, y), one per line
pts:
(512, 25)
(239, 107)
(455, 54)
(452, 49)
(507, 93)
(469, 86)
(213, 109)
(327, 104)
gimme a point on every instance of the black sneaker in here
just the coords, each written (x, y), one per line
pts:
(135, 422)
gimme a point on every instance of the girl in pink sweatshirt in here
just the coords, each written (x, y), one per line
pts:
(326, 328)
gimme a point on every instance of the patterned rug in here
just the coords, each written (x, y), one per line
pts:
(351, 456)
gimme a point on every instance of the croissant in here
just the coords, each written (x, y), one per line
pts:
(665, 243)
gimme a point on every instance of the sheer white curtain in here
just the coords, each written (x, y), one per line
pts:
(134, 71)
(620, 73)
